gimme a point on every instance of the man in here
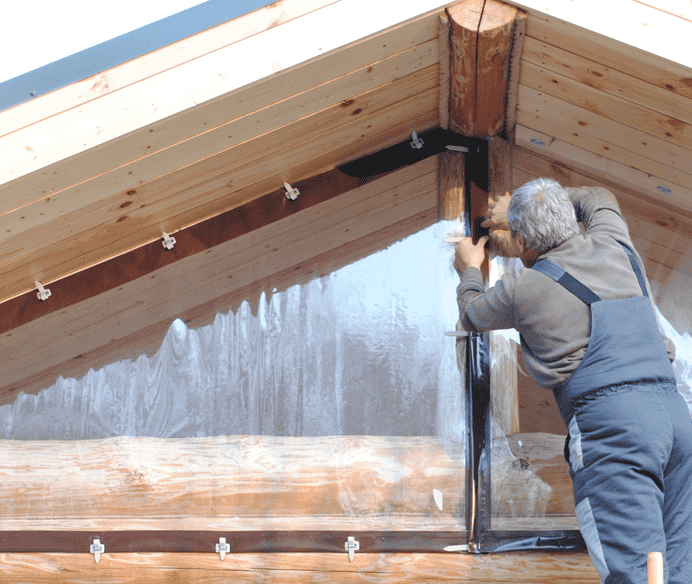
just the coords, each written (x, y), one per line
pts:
(589, 333)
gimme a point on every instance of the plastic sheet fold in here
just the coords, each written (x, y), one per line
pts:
(359, 352)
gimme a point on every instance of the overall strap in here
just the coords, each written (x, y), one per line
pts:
(567, 281)
(636, 268)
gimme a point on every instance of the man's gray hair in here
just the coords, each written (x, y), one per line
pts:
(542, 213)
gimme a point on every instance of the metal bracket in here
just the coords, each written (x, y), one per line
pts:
(417, 142)
(223, 548)
(457, 148)
(43, 294)
(168, 241)
(291, 193)
(352, 546)
(97, 548)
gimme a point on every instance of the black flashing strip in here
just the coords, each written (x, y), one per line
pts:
(145, 541)
(122, 48)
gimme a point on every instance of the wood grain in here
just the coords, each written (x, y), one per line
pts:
(138, 216)
(451, 185)
(613, 107)
(495, 36)
(464, 21)
(607, 79)
(550, 115)
(519, 567)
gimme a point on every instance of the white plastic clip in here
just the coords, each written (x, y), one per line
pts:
(223, 548)
(417, 142)
(291, 193)
(43, 294)
(97, 548)
(168, 241)
(352, 546)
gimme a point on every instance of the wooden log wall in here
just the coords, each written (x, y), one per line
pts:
(163, 568)
(256, 483)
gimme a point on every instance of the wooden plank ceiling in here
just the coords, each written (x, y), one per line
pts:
(158, 146)
(190, 141)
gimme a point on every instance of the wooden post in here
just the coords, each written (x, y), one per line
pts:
(464, 21)
(494, 45)
(481, 35)
(504, 395)
(443, 39)
(451, 185)
(655, 568)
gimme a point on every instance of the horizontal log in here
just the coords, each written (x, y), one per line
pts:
(232, 483)
(265, 483)
(518, 567)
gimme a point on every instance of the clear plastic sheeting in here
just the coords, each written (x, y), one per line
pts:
(359, 352)
(683, 357)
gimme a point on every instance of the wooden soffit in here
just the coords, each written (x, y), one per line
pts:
(105, 166)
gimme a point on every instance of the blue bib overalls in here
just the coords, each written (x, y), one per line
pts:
(630, 440)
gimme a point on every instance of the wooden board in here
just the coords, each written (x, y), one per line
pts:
(155, 62)
(631, 30)
(518, 567)
(189, 195)
(608, 79)
(609, 106)
(265, 483)
(181, 88)
(132, 319)
(543, 112)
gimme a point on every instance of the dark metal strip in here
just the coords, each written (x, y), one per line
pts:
(239, 541)
(122, 48)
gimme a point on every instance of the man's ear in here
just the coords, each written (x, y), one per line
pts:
(520, 242)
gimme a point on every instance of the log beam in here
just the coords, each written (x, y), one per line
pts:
(451, 180)
(481, 36)
(504, 396)
(516, 567)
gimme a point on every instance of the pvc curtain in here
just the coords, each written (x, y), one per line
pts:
(359, 352)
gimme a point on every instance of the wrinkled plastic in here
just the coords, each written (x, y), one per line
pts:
(359, 352)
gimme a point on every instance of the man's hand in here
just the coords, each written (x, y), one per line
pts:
(467, 255)
(497, 213)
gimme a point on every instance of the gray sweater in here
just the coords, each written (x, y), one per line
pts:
(553, 323)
